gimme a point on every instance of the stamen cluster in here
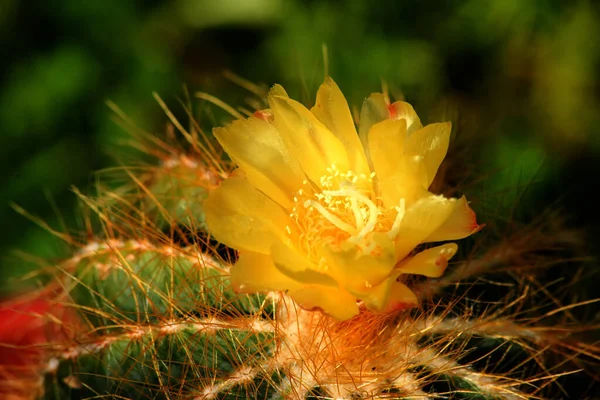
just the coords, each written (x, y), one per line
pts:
(346, 209)
(330, 215)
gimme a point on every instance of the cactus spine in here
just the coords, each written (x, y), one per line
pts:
(161, 321)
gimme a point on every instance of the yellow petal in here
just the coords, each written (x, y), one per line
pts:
(420, 221)
(425, 150)
(374, 109)
(461, 223)
(386, 146)
(332, 110)
(295, 265)
(377, 108)
(240, 216)
(255, 272)
(307, 139)
(256, 147)
(401, 186)
(390, 295)
(401, 110)
(431, 262)
(358, 272)
(278, 90)
(337, 303)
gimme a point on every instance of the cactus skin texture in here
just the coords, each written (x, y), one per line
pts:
(160, 320)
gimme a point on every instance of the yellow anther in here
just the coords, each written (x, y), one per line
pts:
(350, 193)
(342, 203)
(311, 204)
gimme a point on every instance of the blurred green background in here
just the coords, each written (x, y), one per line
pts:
(519, 78)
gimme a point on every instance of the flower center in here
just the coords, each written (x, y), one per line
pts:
(344, 209)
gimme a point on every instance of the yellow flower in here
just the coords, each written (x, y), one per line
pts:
(332, 216)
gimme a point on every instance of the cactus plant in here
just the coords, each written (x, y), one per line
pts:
(159, 316)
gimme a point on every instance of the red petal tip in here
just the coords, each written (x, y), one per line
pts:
(402, 306)
(264, 115)
(392, 111)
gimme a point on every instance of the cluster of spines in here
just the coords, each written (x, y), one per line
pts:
(203, 341)
(161, 321)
